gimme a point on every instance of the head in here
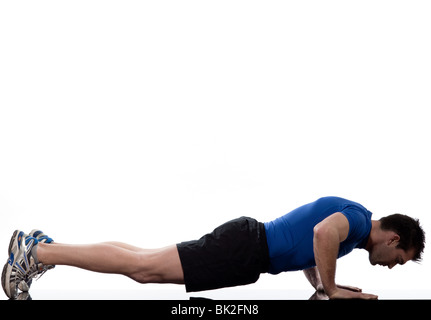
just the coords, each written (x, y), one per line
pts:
(397, 240)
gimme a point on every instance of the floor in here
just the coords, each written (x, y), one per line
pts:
(243, 294)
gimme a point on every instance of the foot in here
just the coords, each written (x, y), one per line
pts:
(40, 236)
(22, 265)
(43, 238)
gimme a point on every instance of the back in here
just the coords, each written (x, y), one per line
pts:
(290, 237)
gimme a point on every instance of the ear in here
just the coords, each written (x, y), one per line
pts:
(394, 239)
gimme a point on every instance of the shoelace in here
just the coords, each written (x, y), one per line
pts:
(37, 271)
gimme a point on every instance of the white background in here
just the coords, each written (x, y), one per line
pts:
(152, 122)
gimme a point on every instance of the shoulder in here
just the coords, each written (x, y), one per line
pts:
(336, 222)
(359, 219)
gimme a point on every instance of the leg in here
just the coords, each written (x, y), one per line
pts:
(127, 246)
(145, 266)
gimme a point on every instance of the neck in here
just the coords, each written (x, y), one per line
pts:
(375, 228)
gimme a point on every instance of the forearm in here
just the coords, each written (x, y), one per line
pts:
(313, 276)
(326, 246)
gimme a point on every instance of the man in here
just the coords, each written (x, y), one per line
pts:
(309, 238)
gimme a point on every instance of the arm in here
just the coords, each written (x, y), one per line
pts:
(326, 241)
(327, 237)
(313, 276)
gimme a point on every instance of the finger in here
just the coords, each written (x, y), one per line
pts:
(351, 288)
(369, 296)
(356, 289)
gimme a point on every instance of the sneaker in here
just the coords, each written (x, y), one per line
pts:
(21, 265)
(40, 237)
(19, 262)
(23, 296)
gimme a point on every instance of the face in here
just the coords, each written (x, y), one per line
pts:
(387, 254)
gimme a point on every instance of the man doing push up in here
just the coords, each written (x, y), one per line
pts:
(309, 238)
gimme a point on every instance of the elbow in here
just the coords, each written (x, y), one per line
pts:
(320, 230)
(324, 231)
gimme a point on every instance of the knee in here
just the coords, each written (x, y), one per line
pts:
(158, 266)
(144, 270)
(142, 277)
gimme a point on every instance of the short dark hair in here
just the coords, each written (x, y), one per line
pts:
(410, 232)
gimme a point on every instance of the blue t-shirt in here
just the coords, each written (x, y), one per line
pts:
(290, 237)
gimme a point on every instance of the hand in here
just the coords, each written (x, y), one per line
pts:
(341, 293)
(351, 288)
(319, 295)
(319, 288)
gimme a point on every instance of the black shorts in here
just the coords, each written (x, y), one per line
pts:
(236, 253)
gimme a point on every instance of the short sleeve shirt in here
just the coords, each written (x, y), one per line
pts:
(290, 237)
